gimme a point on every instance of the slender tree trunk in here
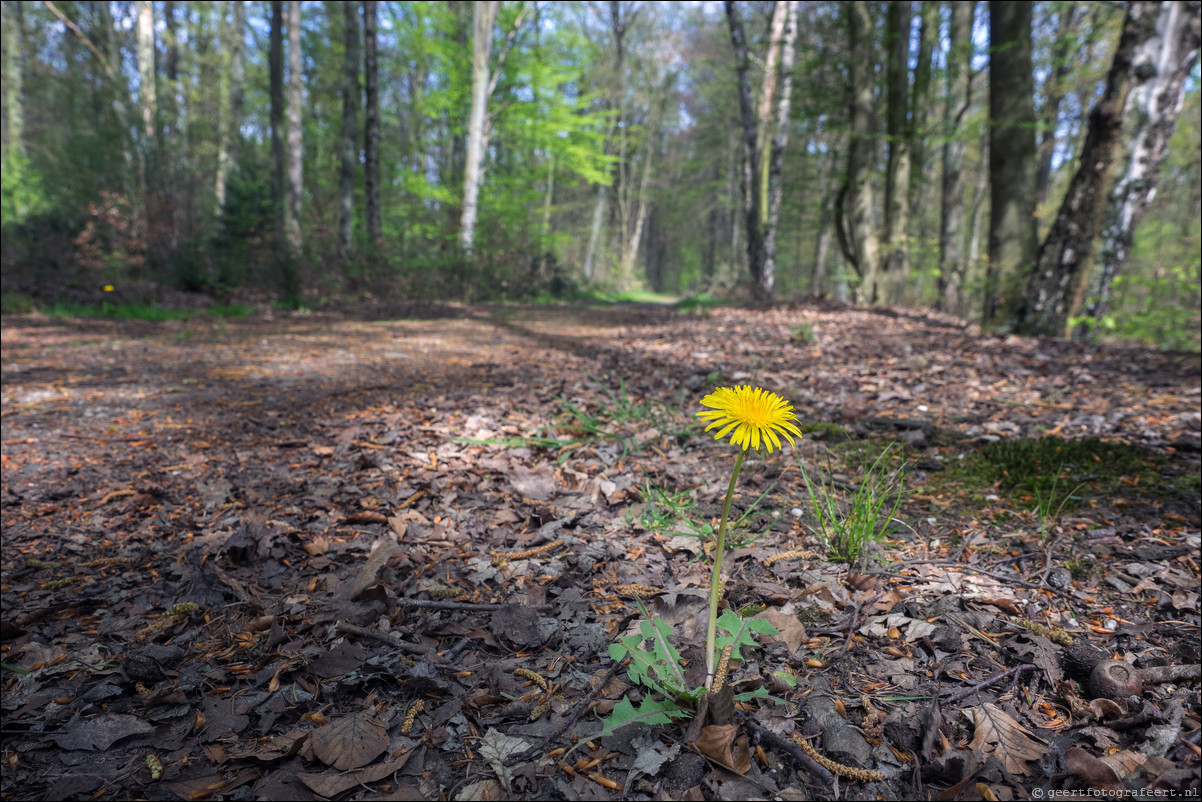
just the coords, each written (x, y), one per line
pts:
(891, 287)
(1013, 158)
(1054, 288)
(780, 139)
(14, 92)
(484, 17)
(776, 35)
(276, 71)
(229, 151)
(371, 144)
(973, 263)
(1160, 68)
(148, 101)
(594, 235)
(296, 183)
(857, 233)
(750, 173)
(349, 147)
(952, 200)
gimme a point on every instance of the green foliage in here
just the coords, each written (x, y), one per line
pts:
(21, 193)
(658, 668)
(848, 521)
(802, 335)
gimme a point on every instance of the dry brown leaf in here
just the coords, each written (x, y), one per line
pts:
(349, 742)
(723, 745)
(1013, 744)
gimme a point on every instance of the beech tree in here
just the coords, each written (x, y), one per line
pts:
(1013, 157)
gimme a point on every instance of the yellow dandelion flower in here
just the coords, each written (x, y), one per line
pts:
(748, 414)
(109, 288)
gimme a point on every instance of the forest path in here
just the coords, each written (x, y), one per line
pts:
(307, 480)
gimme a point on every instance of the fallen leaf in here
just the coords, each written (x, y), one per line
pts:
(1000, 734)
(349, 742)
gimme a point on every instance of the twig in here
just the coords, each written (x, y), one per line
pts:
(764, 735)
(964, 694)
(578, 711)
(999, 577)
(388, 639)
(431, 604)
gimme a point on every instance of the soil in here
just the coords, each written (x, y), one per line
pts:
(383, 554)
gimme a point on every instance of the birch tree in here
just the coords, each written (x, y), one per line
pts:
(1160, 68)
(484, 16)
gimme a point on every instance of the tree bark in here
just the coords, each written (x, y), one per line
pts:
(371, 144)
(1013, 158)
(229, 145)
(749, 176)
(349, 146)
(484, 17)
(296, 184)
(14, 92)
(776, 36)
(856, 228)
(952, 199)
(1054, 288)
(276, 72)
(1160, 66)
(780, 140)
(889, 288)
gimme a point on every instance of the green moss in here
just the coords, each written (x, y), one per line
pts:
(1032, 472)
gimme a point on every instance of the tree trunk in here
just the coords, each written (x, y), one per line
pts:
(780, 139)
(1054, 288)
(349, 145)
(594, 235)
(1013, 158)
(1160, 66)
(296, 184)
(147, 97)
(891, 287)
(225, 125)
(276, 71)
(484, 17)
(856, 228)
(371, 137)
(750, 172)
(14, 93)
(776, 35)
(951, 206)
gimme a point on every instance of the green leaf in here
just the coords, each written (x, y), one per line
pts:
(739, 631)
(649, 711)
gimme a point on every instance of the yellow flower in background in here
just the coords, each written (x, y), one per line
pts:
(749, 414)
(109, 288)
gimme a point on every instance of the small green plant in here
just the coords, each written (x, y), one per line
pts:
(802, 335)
(1078, 567)
(1049, 503)
(619, 421)
(658, 668)
(846, 528)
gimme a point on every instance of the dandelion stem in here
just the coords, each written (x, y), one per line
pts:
(711, 630)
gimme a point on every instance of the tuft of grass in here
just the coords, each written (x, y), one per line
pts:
(848, 521)
(802, 335)
(620, 420)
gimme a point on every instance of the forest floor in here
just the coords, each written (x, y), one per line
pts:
(272, 558)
